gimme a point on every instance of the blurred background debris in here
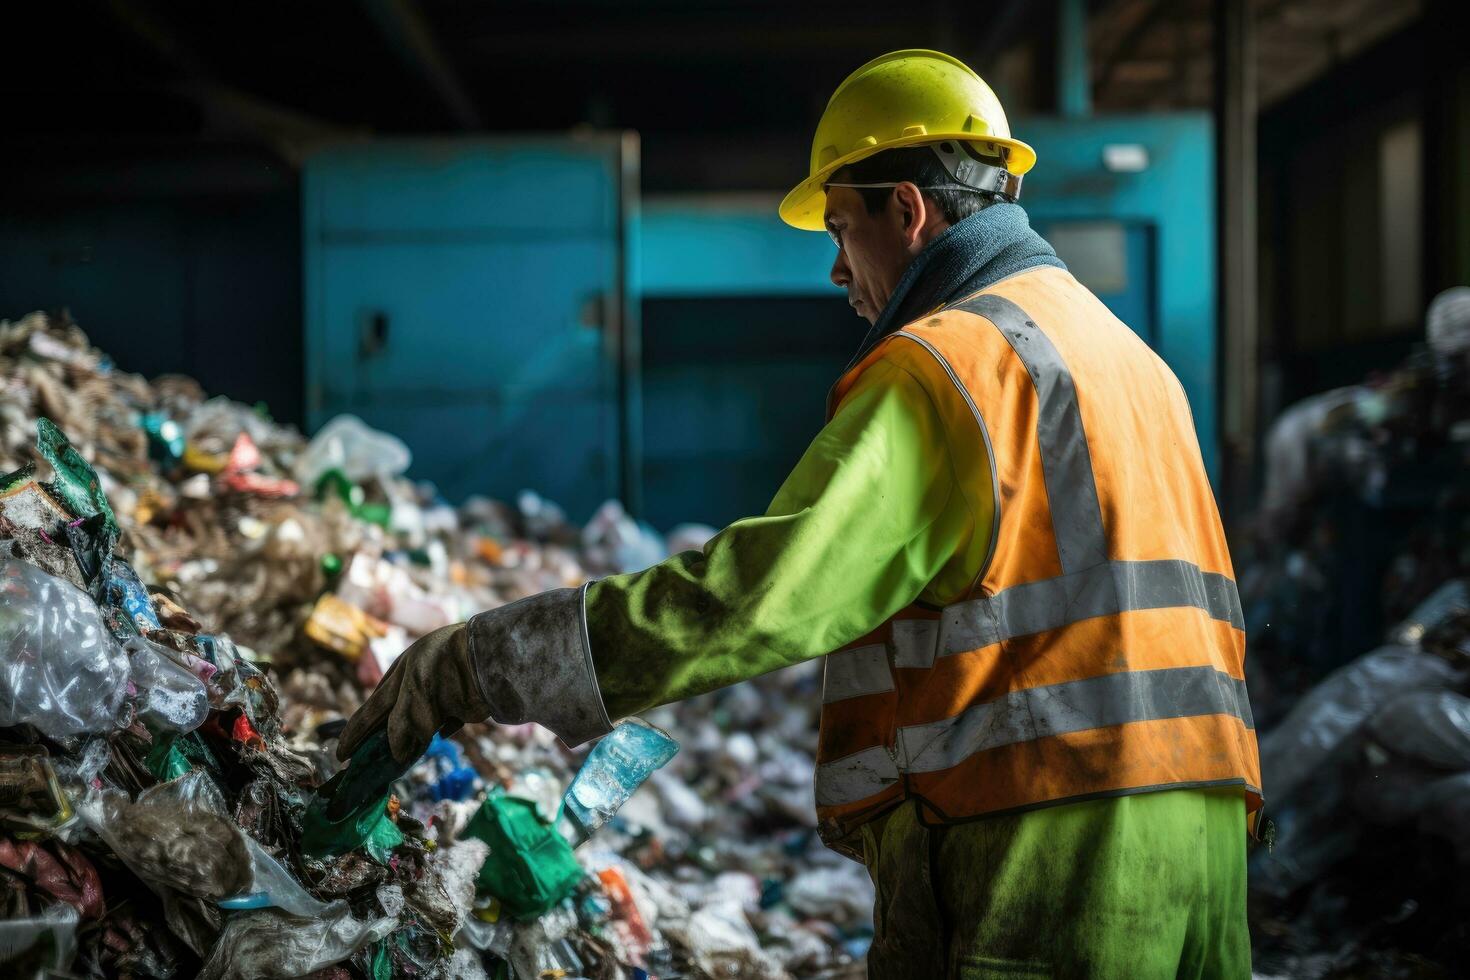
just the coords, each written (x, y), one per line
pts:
(412, 308)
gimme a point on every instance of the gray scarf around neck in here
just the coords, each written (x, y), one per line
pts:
(972, 253)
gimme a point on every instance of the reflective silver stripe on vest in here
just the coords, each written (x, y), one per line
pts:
(855, 777)
(1074, 706)
(1104, 590)
(853, 673)
(1071, 491)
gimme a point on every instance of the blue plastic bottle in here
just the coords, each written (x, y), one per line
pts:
(615, 767)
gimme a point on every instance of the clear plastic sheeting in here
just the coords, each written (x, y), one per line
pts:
(615, 539)
(1339, 707)
(539, 947)
(837, 894)
(446, 894)
(349, 444)
(270, 880)
(39, 946)
(60, 669)
(463, 965)
(722, 943)
(177, 836)
(271, 944)
(217, 424)
(1431, 728)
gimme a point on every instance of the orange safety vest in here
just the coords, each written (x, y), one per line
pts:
(1100, 650)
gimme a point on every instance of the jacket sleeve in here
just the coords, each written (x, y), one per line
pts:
(862, 524)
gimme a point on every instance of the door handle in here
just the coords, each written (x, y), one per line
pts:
(373, 336)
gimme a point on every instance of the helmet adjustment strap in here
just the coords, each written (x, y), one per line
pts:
(966, 166)
(969, 173)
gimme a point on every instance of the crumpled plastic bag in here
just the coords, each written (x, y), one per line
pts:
(1308, 762)
(1446, 813)
(1428, 727)
(1288, 449)
(833, 894)
(463, 965)
(446, 893)
(176, 836)
(349, 444)
(540, 949)
(271, 878)
(170, 698)
(35, 947)
(271, 944)
(721, 943)
(1444, 602)
(179, 836)
(214, 426)
(60, 668)
(75, 481)
(613, 538)
(1339, 707)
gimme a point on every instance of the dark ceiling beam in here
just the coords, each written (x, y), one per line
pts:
(404, 28)
(289, 133)
(147, 26)
(740, 45)
(1001, 31)
(1129, 43)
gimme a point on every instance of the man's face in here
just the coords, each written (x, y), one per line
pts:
(873, 250)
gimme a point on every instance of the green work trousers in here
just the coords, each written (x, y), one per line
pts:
(1142, 886)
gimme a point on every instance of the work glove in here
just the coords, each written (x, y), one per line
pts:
(527, 661)
(431, 687)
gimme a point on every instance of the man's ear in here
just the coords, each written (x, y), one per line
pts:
(913, 212)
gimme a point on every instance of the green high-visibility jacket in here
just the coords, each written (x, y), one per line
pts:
(869, 521)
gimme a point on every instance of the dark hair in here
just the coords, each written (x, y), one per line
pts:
(916, 164)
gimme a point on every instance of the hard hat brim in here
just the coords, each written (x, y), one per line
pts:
(805, 207)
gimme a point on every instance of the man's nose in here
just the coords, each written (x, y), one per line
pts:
(841, 274)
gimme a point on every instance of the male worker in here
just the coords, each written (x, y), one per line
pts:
(1034, 727)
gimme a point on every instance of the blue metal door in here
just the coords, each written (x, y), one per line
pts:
(1129, 203)
(471, 297)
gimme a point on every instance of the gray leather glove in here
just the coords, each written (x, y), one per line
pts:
(534, 662)
(431, 686)
(527, 661)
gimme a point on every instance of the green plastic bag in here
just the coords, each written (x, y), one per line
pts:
(335, 483)
(165, 760)
(351, 809)
(76, 482)
(530, 867)
(368, 827)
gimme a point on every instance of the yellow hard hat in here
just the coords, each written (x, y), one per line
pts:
(904, 98)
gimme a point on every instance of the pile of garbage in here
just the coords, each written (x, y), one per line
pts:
(1369, 793)
(192, 600)
(1356, 590)
(1365, 511)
